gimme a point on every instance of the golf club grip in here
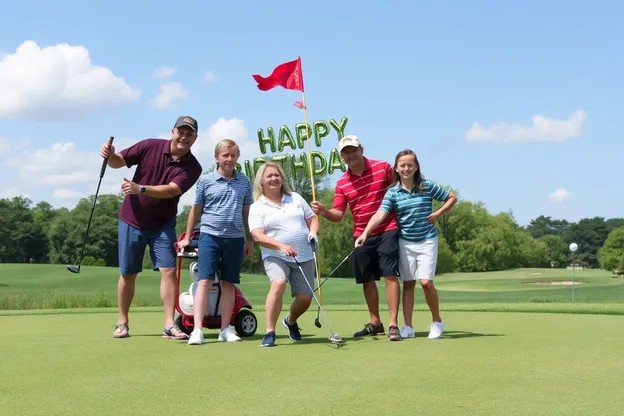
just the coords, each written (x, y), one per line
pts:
(105, 161)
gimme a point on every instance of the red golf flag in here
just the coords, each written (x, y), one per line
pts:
(287, 75)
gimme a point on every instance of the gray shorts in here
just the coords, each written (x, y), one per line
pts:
(279, 269)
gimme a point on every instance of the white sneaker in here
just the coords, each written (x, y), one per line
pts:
(407, 332)
(228, 335)
(436, 329)
(196, 338)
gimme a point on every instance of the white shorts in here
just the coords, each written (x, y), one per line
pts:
(418, 259)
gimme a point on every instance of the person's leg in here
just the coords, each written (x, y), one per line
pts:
(277, 271)
(300, 290)
(408, 271)
(427, 262)
(208, 254)
(302, 294)
(232, 253)
(388, 253)
(131, 250)
(367, 274)
(163, 256)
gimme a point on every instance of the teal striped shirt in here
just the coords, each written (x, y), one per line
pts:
(412, 209)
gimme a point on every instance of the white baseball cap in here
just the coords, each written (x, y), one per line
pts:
(349, 140)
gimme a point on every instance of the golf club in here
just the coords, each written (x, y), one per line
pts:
(334, 338)
(336, 268)
(317, 321)
(75, 269)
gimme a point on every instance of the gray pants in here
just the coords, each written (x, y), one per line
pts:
(277, 268)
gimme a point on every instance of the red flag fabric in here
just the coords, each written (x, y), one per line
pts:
(287, 75)
(298, 104)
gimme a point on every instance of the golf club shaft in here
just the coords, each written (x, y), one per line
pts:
(314, 295)
(333, 271)
(97, 191)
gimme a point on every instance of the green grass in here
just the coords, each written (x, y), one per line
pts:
(52, 287)
(487, 363)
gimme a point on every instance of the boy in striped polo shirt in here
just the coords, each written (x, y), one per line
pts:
(412, 202)
(362, 188)
(223, 198)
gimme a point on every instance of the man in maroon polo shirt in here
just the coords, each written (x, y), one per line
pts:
(362, 188)
(166, 169)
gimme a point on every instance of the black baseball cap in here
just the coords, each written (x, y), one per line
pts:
(186, 121)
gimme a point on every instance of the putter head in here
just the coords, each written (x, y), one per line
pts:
(317, 323)
(335, 339)
(73, 269)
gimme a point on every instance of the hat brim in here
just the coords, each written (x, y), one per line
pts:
(192, 127)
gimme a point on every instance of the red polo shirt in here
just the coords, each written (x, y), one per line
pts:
(156, 166)
(364, 193)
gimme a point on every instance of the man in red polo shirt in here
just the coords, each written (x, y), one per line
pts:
(362, 188)
(166, 169)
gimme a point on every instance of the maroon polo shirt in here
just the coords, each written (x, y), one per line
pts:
(156, 166)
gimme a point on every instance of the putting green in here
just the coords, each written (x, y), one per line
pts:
(487, 363)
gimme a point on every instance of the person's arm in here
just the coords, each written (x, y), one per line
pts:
(256, 225)
(440, 194)
(384, 209)
(116, 160)
(193, 217)
(337, 212)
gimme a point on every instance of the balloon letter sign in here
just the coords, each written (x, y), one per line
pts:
(285, 139)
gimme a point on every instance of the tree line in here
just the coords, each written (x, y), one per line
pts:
(471, 238)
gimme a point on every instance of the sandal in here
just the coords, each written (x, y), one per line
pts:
(173, 332)
(121, 331)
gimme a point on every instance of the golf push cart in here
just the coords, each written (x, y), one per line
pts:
(243, 319)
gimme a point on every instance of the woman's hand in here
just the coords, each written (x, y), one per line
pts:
(288, 250)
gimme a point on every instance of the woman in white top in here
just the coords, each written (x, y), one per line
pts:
(283, 223)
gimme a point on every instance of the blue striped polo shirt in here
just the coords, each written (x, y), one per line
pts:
(412, 209)
(223, 203)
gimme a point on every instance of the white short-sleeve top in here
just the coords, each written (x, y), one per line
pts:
(285, 223)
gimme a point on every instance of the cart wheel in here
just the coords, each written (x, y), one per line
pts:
(246, 323)
(183, 328)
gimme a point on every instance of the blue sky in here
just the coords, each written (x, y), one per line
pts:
(416, 75)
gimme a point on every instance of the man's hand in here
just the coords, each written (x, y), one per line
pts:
(249, 248)
(130, 188)
(318, 208)
(107, 150)
(432, 218)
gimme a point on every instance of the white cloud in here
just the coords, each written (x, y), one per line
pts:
(3, 55)
(164, 71)
(70, 173)
(169, 93)
(58, 83)
(12, 192)
(210, 76)
(65, 194)
(543, 129)
(560, 196)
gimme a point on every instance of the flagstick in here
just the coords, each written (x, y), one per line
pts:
(309, 139)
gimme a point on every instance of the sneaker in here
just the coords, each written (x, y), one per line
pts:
(196, 338)
(228, 335)
(393, 333)
(268, 340)
(293, 330)
(407, 332)
(370, 329)
(436, 330)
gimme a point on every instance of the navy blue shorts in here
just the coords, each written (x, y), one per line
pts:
(132, 243)
(220, 253)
